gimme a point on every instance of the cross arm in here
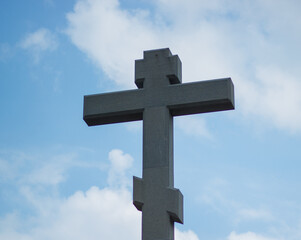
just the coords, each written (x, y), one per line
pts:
(200, 97)
(122, 106)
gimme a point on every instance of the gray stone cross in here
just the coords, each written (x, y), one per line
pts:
(160, 97)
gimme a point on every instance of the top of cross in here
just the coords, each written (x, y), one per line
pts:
(159, 68)
(158, 76)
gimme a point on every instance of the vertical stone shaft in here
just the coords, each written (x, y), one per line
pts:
(158, 173)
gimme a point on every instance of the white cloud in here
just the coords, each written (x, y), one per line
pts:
(111, 37)
(275, 97)
(213, 38)
(94, 214)
(248, 236)
(120, 162)
(106, 213)
(186, 235)
(38, 42)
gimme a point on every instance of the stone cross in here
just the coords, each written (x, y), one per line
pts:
(160, 96)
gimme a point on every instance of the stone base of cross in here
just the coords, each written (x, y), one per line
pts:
(160, 96)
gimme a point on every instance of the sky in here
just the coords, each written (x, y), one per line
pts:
(239, 170)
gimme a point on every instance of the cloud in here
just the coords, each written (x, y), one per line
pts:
(106, 213)
(30, 169)
(218, 195)
(185, 235)
(40, 41)
(33, 180)
(52, 171)
(120, 162)
(248, 41)
(247, 236)
(275, 97)
(94, 214)
(113, 38)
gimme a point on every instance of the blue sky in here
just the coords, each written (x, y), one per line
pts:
(239, 170)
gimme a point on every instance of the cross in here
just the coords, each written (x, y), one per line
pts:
(160, 96)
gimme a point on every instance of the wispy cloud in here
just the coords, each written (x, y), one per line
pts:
(218, 195)
(38, 42)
